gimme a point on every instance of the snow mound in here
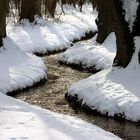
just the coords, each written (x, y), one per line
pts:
(47, 35)
(18, 69)
(90, 54)
(113, 91)
(29, 122)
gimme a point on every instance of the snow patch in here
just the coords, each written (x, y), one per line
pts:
(90, 54)
(113, 90)
(18, 69)
(48, 35)
(19, 120)
(130, 8)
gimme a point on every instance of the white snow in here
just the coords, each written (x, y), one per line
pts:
(18, 69)
(50, 35)
(91, 54)
(113, 90)
(130, 8)
(21, 121)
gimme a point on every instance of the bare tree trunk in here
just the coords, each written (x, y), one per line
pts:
(125, 44)
(45, 4)
(136, 27)
(53, 7)
(2, 20)
(94, 3)
(110, 19)
(38, 7)
(81, 2)
(104, 20)
(50, 6)
(7, 7)
(30, 8)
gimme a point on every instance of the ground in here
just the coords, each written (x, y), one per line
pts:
(19, 120)
(113, 91)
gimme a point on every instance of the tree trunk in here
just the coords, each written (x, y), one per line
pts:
(94, 3)
(7, 7)
(136, 27)
(104, 20)
(125, 44)
(80, 4)
(2, 20)
(30, 8)
(38, 8)
(110, 19)
(51, 6)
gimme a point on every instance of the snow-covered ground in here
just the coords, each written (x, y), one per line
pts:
(21, 121)
(50, 35)
(18, 69)
(90, 55)
(113, 90)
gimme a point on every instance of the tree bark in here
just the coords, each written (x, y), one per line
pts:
(94, 3)
(51, 6)
(2, 20)
(80, 4)
(104, 20)
(136, 27)
(30, 8)
(111, 19)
